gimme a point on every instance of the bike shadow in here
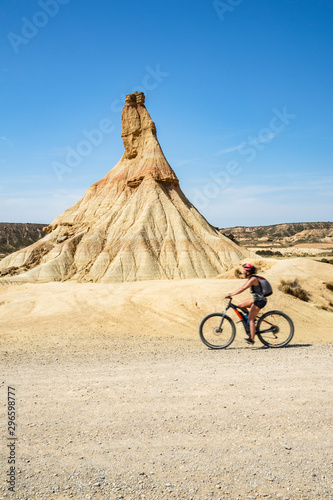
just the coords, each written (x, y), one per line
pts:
(264, 347)
(289, 346)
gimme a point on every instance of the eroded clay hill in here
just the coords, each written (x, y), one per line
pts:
(134, 224)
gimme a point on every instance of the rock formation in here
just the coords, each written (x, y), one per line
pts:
(134, 224)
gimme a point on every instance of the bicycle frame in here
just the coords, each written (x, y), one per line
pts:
(240, 311)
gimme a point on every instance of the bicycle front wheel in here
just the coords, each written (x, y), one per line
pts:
(275, 329)
(217, 332)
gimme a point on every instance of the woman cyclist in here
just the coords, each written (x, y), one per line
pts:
(257, 302)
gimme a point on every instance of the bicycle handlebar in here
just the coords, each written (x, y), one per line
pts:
(230, 300)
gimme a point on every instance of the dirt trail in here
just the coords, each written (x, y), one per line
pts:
(135, 417)
(117, 397)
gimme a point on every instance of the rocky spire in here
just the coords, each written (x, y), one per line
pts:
(134, 224)
(140, 142)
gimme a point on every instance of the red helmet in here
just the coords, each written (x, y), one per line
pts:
(249, 267)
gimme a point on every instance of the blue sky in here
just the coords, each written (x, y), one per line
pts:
(240, 91)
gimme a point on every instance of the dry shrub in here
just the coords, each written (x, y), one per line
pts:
(292, 287)
(262, 265)
(326, 261)
(238, 273)
(269, 253)
(328, 308)
(329, 286)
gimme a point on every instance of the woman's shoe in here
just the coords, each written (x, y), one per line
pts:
(249, 340)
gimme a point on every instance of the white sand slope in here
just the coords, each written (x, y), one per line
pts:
(161, 308)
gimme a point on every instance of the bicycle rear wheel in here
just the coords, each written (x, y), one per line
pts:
(217, 334)
(275, 329)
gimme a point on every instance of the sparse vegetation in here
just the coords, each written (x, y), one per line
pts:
(329, 286)
(328, 308)
(269, 253)
(238, 273)
(292, 287)
(327, 261)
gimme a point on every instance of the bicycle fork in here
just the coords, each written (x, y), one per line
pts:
(223, 316)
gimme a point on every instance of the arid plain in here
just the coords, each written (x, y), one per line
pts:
(116, 397)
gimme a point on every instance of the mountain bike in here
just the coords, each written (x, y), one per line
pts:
(273, 328)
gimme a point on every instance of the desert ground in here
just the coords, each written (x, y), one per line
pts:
(117, 397)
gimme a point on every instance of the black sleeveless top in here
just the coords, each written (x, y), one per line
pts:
(256, 291)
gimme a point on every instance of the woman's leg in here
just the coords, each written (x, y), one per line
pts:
(252, 316)
(246, 303)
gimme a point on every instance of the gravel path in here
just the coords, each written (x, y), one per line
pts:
(125, 417)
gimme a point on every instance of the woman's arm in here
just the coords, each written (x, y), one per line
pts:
(246, 285)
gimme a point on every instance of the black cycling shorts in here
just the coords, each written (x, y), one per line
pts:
(260, 303)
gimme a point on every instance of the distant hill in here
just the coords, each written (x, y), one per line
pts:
(288, 234)
(14, 236)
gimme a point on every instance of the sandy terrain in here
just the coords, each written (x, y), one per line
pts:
(117, 397)
(328, 245)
